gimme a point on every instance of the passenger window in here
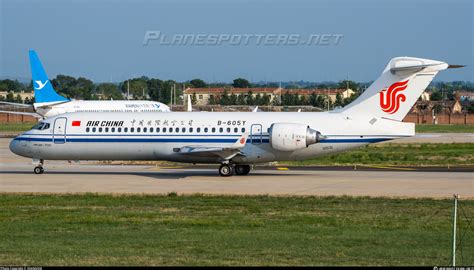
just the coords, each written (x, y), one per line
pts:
(176, 130)
(190, 129)
(125, 129)
(157, 129)
(164, 129)
(243, 130)
(183, 130)
(113, 129)
(138, 129)
(221, 130)
(87, 129)
(106, 129)
(206, 129)
(236, 130)
(170, 130)
(119, 129)
(93, 129)
(151, 129)
(100, 129)
(198, 129)
(213, 130)
(228, 130)
(144, 129)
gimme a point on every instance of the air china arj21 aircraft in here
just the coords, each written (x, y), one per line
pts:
(49, 103)
(236, 140)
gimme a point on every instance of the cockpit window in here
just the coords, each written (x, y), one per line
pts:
(41, 126)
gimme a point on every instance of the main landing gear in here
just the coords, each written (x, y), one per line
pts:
(229, 169)
(39, 168)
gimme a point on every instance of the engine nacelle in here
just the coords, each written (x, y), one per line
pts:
(291, 136)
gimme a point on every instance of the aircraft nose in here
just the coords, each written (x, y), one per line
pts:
(15, 146)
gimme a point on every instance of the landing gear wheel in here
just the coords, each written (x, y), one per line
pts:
(242, 169)
(226, 170)
(38, 170)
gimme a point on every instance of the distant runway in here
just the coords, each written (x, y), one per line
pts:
(62, 177)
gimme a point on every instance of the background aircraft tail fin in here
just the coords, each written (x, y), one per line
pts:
(44, 91)
(395, 92)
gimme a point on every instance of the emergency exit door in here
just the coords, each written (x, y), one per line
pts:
(256, 134)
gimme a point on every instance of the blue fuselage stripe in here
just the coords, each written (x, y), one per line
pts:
(185, 140)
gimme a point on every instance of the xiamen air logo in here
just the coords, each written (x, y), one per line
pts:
(40, 84)
(391, 98)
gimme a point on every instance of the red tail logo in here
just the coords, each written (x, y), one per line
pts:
(390, 98)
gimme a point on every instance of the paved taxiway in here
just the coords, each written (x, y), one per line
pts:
(62, 177)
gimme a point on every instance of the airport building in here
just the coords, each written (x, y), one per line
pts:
(205, 95)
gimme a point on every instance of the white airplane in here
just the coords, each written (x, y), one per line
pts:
(49, 103)
(236, 140)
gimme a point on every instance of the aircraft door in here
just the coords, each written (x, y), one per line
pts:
(256, 134)
(59, 130)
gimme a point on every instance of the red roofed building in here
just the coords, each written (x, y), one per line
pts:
(203, 95)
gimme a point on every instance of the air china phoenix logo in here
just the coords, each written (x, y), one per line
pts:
(391, 98)
(41, 85)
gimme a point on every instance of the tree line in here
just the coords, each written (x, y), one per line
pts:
(165, 90)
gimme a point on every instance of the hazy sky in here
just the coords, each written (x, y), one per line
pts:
(103, 40)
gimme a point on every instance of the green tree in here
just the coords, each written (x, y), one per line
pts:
(266, 99)
(436, 95)
(224, 100)
(250, 99)
(258, 99)
(109, 91)
(339, 100)
(198, 83)
(18, 99)
(10, 85)
(233, 99)
(241, 99)
(212, 100)
(348, 84)
(241, 83)
(155, 90)
(64, 85)
(10, 97)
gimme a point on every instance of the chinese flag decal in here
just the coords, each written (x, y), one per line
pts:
(76, 123)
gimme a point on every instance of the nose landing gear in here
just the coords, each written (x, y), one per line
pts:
(39, 168)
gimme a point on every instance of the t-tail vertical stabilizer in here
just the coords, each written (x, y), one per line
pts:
(395, 92)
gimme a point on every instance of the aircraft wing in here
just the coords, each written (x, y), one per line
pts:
(225, 152)
(23, 113)
(16, 104)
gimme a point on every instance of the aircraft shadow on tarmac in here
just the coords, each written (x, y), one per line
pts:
(157, 174)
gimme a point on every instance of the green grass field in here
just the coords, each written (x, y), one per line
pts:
(444, 128)
(234, 230)
(15, 127)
